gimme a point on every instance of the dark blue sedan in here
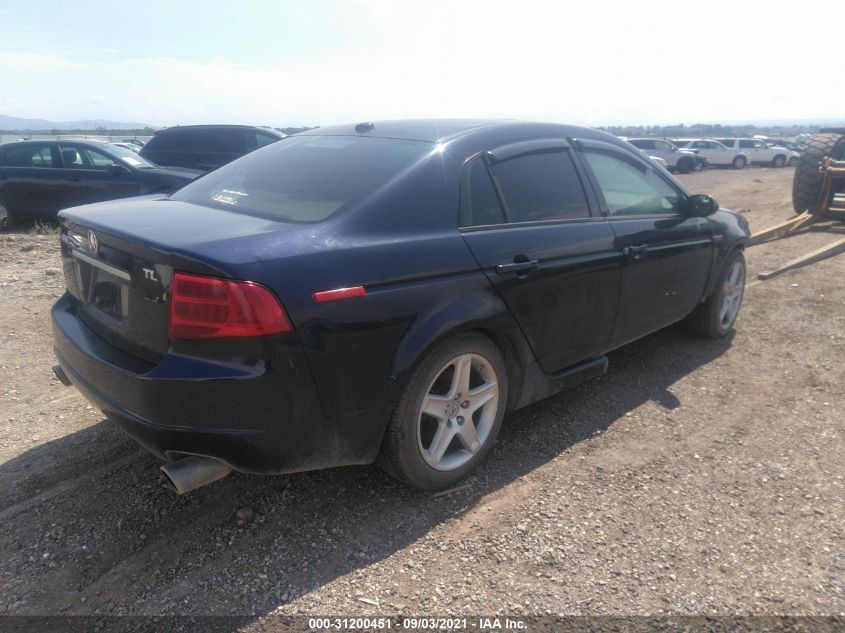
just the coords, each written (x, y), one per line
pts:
(39, 178)
(381, 292)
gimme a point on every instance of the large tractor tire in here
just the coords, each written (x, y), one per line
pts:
(806, 184)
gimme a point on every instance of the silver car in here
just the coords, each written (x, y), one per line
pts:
(715, 153)
(676, 159)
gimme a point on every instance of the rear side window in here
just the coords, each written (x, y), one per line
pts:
(746, 144)
(27, 156)
(306, 178)
(538, 187)
(176, 141)
(479, 202)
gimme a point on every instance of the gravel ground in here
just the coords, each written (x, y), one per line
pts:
(696, 477)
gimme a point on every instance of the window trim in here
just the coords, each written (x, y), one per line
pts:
(637, 160)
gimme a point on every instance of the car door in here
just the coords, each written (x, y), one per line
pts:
(91, 175)
(718, 154)
(752, 149)
(30, 184)
(667, 254)
(527, 219)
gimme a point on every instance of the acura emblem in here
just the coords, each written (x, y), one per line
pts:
(93, 242)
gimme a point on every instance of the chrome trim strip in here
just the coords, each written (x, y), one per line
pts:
(117, 272)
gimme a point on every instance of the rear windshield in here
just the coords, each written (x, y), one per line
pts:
(304, 178)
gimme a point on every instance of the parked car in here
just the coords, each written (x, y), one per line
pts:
(760, 152)
(38, 178)
(381, 292)
(206, 147)
(790, 145)
(715, 153)
(129, 146)
(679, 160)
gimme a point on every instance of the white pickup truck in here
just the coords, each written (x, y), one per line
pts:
(715, 153)
(762, 153)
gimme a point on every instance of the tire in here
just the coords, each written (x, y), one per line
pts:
(433, 451)
(739, 162)
(779, 161)
(793, 161)
(7, 218)
(686, 165)
(806, 183)
(708, 319)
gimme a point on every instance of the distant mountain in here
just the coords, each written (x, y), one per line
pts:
(16, 124)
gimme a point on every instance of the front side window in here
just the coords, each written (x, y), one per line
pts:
(29, 155)
(304, 178)
(631, 189)
(538, 187)
(726, 142)
(663, 146)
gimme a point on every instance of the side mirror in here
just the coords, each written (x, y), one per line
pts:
(701, 205)
(117, 170)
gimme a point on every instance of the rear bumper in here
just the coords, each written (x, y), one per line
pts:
(259, 415)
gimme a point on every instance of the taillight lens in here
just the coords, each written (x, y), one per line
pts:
(208, 307)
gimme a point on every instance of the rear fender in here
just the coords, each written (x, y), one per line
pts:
(481, 310)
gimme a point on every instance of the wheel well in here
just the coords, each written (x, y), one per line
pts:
(512, 365)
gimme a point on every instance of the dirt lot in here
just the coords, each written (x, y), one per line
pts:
(696, 477)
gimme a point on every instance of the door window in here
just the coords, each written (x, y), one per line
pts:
(538, 187)
(642, 143)
(35, 155)
(81, 157)
(663, 146)
(746, 144)
(631, 189)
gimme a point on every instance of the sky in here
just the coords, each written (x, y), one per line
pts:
(319, 62)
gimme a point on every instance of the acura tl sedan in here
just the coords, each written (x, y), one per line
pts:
(381, 292)
(39, 178)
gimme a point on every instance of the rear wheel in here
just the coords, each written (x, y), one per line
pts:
(449, 414)
(715, 317)
(806, 183)
(779, 161)
(793, 161)
(7, 218)
(739, 162)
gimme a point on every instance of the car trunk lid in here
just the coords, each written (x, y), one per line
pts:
(119, 259)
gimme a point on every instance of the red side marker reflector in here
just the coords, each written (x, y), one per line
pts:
(339, 293)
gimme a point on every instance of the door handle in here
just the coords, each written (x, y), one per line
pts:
(522, 267)
(635, 252)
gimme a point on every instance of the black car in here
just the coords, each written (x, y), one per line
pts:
(38, 178)
(206, 147)
(381, 292)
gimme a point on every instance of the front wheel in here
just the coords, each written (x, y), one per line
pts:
(779, 161)
(448, 415)
(715, 317)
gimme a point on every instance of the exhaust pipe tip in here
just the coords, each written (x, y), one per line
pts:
(194, 472)
(61, 375)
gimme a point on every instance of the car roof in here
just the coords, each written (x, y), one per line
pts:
(33, 141)
(443, 130)
(219, 126)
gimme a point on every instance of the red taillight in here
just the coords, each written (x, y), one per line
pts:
(208, 307)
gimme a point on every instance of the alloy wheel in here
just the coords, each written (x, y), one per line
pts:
(731, 298)
(458, 412)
